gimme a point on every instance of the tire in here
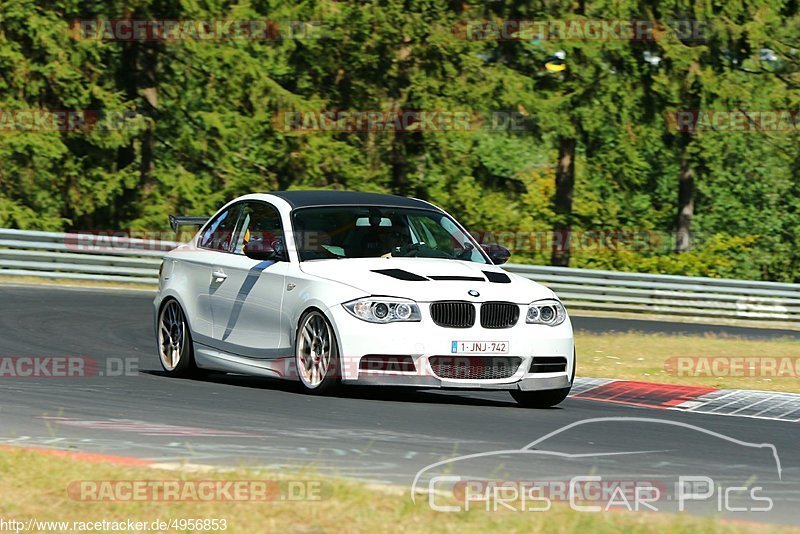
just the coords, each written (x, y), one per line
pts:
(540, 399)
(547, 398)
(316, 354)
(174, 338)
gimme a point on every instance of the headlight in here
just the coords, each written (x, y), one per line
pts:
(550, 312)
(384, 310)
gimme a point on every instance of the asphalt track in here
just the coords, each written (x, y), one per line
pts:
(379, 435)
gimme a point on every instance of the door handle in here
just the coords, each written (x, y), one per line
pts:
(219, 275)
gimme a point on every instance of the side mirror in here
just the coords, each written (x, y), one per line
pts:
(261, 250)
(499, 255)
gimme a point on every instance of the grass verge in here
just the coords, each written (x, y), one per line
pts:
(714, 361)
(35, 485)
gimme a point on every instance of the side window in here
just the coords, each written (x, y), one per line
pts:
(259, 221)
(218, 234)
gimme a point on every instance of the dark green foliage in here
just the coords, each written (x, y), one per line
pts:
(208, 122)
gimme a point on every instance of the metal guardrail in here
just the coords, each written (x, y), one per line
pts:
(120, 259)
(668, 294)
(77, 256)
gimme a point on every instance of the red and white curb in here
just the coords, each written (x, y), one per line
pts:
(696, 399)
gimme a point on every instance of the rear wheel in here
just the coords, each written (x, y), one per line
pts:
(316, 353)
(547, 398)
(175, 341)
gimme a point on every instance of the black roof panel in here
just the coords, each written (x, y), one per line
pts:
(304, 199)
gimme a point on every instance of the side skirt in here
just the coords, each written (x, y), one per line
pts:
(207, 358)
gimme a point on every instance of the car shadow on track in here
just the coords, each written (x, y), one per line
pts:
(373, 393)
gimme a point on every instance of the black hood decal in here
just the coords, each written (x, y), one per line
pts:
(400, 274)
(458, 278)
(497, 278)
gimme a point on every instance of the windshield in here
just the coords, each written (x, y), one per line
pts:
(372, 232)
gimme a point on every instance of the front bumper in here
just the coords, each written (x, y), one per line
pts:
(531, 383)
(423, 340)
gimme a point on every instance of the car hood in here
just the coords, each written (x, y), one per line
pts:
(428, 280)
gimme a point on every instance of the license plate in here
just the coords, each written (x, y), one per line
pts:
(479, 347)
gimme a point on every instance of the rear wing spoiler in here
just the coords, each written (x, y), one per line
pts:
(176, 221)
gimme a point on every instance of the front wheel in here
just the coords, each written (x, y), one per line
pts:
(540, 399)
(547, 398)
(316, 353)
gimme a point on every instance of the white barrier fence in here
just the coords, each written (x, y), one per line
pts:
(81, 256)
(120, 259)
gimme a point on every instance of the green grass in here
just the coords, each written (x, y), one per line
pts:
(34, 485)
(645, 357)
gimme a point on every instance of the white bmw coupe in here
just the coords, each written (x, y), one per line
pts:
(328, 287)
